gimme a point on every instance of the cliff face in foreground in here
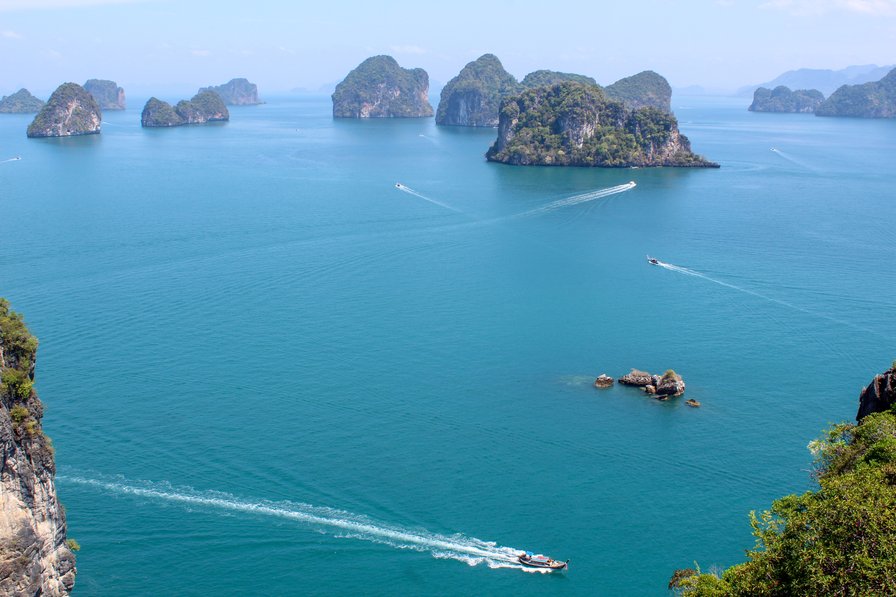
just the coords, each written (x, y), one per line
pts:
(782, 99)
(870, 100)
(879, 395)
(837, 540)
(20, 102)
(205, 106)
(236, 92)
(107, 94)
(34, 556)
(380, 88)
(69, 111)
(571, 124)
(473, 97)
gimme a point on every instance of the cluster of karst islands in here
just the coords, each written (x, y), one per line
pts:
(874, 99)
(548, 118)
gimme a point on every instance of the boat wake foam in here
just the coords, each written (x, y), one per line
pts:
(581, 198)
(411, 191)
(690, 272)
(336, 523)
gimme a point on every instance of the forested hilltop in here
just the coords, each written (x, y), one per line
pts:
(646, 89)
(573, 124)
(837, 540)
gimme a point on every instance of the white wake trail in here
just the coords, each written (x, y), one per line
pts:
(458, 547)
(794, 160)
(15, 159)
(690, 272)
(411, 191)
(576, 199)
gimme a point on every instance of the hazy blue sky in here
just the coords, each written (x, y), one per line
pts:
(168, 46)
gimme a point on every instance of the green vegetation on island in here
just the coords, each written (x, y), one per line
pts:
(869, 100)
(17, 370)
(380, 88)
(236, 92)
(646, 89)
(571, 124)
(107, 94)
(473, 97)
(782, 99)
(541, 78)
(20, 102)
(837, 540)
(69, 111)
(205, 106)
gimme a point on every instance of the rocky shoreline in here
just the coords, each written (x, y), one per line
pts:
(662, 387)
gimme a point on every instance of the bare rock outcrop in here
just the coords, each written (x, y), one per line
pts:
(670, 384)
(603, 381)
(661, 387)
(637, 378)
(879, 395)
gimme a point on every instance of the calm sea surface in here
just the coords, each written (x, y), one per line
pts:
(269, 371)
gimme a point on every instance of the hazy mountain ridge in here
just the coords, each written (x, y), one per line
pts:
(824, 80)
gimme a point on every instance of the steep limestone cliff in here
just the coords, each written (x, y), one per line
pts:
(236, 92)
(380, 88)
(35, 559)
(69, 111)
(107, 94)
(572, 124)
(473, 97)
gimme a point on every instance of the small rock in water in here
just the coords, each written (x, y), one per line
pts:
(603, 381)
(636, 378)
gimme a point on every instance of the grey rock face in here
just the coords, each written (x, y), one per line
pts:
(879, 395)
(34, 556)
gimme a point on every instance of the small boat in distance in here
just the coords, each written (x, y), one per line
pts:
(653, 260)
(398, 185)
(531, 560)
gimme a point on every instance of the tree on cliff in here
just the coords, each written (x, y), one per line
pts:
(837, 540)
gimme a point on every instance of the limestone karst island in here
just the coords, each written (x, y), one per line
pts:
(573, 124)
(236, 92)
(20, 102)
(380, 88)
(70, 111)
(204, 107)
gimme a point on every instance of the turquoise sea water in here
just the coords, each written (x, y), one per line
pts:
(268, 371)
